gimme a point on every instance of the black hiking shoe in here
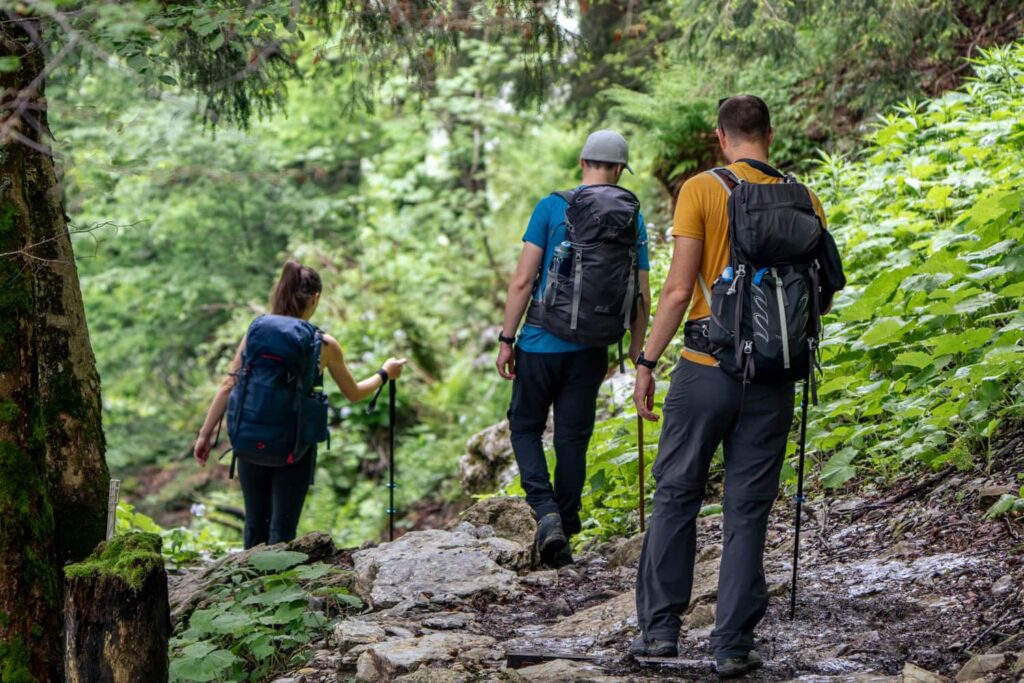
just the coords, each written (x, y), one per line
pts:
(564, 557)
(733, 667)
(550, 537)
(641, 647)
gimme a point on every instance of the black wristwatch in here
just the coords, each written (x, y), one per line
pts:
(506, 340)
(646, 362)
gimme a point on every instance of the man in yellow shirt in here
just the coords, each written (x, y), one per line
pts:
(705, 407)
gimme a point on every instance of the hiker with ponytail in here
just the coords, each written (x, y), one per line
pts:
(275, 405)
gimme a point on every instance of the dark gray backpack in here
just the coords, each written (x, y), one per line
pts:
(593, 300)
(766, 308)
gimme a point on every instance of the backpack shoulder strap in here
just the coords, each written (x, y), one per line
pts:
(727, 178)
(567, 195)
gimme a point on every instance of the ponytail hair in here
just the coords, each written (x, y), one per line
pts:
(295, 290)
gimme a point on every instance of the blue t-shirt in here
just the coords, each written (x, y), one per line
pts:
(546, 229)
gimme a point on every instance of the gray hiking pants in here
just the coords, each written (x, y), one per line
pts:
(702, 410)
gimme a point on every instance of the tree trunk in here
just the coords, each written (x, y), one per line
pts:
(116, 616)
(53, 476)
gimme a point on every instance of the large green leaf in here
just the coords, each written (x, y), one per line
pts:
(276, 560)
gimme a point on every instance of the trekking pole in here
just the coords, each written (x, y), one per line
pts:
(391, 459)
(640, 462)
(799, 499)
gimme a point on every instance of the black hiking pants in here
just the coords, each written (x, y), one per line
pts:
(570, 382)
(274, 497)
(703, 409)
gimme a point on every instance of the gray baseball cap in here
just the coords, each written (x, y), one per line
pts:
(608, 146)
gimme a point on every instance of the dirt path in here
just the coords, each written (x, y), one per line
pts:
(916, 576)
(873, 595)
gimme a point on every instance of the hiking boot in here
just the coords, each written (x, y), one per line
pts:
(732, 667)
(641, 647)
(564, 557)
(550, 537)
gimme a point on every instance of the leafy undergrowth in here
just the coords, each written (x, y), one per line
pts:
(923, 352)
(260, 617)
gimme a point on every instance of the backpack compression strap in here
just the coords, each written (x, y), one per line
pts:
(728, 180)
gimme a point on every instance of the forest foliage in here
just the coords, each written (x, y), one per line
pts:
(923, 353)
(410, 197)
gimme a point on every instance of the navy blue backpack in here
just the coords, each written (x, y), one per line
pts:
(275, 415)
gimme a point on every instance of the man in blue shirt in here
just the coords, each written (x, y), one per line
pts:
(549, 371)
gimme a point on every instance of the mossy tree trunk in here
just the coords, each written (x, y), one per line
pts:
(53, 476)
(117, 619)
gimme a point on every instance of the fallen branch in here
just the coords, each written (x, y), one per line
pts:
(906, 493)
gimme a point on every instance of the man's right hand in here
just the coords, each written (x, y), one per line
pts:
(643, 394)
(506, 361)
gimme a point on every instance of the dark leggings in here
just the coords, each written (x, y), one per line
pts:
(273, 500)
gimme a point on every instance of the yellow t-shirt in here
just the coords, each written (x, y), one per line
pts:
(702, 213)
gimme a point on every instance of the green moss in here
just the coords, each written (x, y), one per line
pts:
(8, 217)
(36, 631)
(14, 661)
(8, 411)
(5, 619)
(25, 504)
(130, 558)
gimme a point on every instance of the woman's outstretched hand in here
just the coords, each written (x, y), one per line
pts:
(201, 450)
(393, 366)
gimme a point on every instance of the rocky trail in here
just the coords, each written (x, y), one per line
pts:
(916, 586)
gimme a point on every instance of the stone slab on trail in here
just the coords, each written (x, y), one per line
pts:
(563, 670)
(444, 566)
(510, 518)
(386, 660)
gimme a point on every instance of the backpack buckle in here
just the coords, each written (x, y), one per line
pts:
(748, 347)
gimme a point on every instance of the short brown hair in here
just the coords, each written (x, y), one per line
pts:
(745, 117)
(296, 288)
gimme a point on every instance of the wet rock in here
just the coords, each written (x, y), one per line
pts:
(488, 463)
(391, 658)
(1003, 585)
(353, 632)
(442, 565)
(627, 552)
(546, 578)
(988, 495)
(705, 581)
(561, 607)
(449, 621)
(480, 657)
(511, 519)
(979, 665)
(912, 673)
(435, 676)
(709, 552)
(564, 670)
(191, 590)
(1014, 643)
(699, 617)
(599, 626)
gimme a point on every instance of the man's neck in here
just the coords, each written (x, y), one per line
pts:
(594, 177)
(755, 152)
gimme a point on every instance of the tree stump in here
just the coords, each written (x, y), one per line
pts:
(117, 619)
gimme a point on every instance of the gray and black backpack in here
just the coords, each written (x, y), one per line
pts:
(766, 306)
(592, 287)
